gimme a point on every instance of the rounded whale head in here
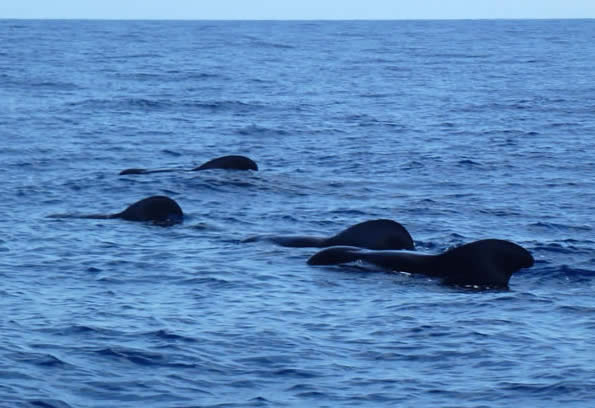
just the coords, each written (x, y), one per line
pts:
(232, 162)
(487, 262)
(161, 210)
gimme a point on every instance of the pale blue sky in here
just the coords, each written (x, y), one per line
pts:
(297, 9)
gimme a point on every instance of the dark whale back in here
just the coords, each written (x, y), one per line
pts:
(143, 171)
(231, 162)
(374, 234)
(488, 262)
(161, 210)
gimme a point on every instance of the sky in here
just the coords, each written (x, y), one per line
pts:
(296, 9)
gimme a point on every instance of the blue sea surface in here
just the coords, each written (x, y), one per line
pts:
(459, 130)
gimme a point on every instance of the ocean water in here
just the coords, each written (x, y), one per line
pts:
(459, 130)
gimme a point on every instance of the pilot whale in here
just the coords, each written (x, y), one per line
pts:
(372, 234)
(484, 263)
(161, 210)
(231, 162)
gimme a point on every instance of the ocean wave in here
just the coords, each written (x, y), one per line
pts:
(81, 329)
(560, 274)
(459, 55)
(469, 163)
(169, 76)
(167, 335)
(39, 85)
(39, 359)
(146, 104)
(543, 225)
(55, 85)
(501, 212)
(538, 105)
(575, 273)
(136, 356)
(252, 130)
(119, 104)
(572, 390)
(266, 44)
(132, 56)
(211, 282)
(122, 314)
(44, 403)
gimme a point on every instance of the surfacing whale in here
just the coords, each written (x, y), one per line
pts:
(373, 234)
(484, 263)
(231, 162)
(161, 210)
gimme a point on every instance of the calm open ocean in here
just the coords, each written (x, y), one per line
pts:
(459, 130)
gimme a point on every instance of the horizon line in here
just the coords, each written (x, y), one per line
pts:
(291, 19)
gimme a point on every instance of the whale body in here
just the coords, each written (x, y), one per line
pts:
(485, 263)
(231, 162)
(160, 210)
(372, 234)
